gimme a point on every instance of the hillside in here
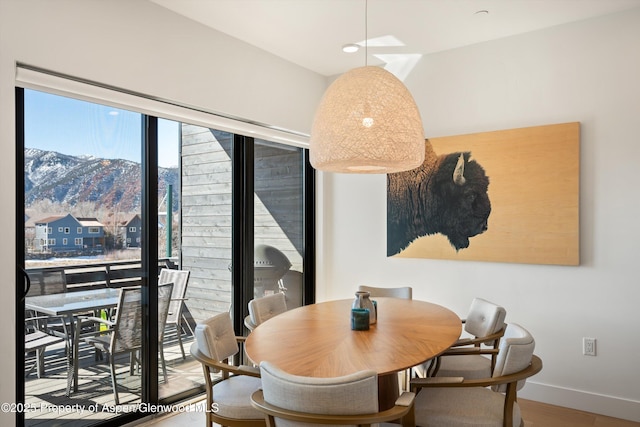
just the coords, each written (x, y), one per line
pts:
(70, 180)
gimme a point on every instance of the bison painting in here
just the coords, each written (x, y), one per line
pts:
(447, 194)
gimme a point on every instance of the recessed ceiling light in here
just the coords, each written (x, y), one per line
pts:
(482, 12)
(350, 48)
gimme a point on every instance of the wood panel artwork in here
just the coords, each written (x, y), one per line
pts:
(529, 213)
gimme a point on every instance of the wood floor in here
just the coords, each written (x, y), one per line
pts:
(96, 389)
(536, 414)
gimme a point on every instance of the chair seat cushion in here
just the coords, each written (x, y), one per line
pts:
(468, 366)
(233, 397)
(459, 406)
(100, 342)
(38, 339)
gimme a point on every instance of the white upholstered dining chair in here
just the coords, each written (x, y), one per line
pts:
(404, 292)
(292, 400)
(483, 327)
(264, 308)
(228, 387)
(487, 402)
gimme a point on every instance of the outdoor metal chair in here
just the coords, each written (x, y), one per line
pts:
(36, 339)
(125, 332)
(175, 315)
(47, 281)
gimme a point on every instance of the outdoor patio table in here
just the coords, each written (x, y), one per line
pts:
(317, 341)
(70, 304)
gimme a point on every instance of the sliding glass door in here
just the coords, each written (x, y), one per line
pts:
(83, 243)
(112, 197)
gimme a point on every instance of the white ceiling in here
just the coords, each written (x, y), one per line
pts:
(311, 33)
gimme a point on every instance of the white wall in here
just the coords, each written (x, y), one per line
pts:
(587, 72)
(136, 45)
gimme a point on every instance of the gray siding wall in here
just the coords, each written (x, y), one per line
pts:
(206, 212)
(278, 200)
(206, 219)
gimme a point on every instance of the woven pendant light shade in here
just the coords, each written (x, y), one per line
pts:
(367, 122)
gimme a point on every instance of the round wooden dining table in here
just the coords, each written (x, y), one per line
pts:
(317, 341)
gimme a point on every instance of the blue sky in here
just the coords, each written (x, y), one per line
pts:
(74, 127)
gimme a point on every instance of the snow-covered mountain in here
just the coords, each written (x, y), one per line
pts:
(62, 178)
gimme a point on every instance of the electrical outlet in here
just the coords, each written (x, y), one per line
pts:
(589, 346)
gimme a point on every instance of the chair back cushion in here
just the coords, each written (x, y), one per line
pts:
(484, 318)
(180, 279)
(404, 292)
(127, 333)
(514, 354)
(164, 297)
(216, 338)
(352, 394)
(47, 282)
(263, 309)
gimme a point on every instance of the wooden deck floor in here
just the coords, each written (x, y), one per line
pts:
(48, 406)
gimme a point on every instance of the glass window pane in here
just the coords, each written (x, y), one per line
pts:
(205, 242)
(82, 189)
(278, 221)
(178, 371)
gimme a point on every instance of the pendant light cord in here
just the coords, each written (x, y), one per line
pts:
(366, 30)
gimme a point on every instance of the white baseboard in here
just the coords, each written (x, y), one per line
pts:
(610, 406)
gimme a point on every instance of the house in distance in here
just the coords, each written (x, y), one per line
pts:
(66, 234)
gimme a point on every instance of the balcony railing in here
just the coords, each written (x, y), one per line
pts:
(112, 274)
(95, 392)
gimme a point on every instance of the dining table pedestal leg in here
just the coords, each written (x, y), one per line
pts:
(388, 390)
